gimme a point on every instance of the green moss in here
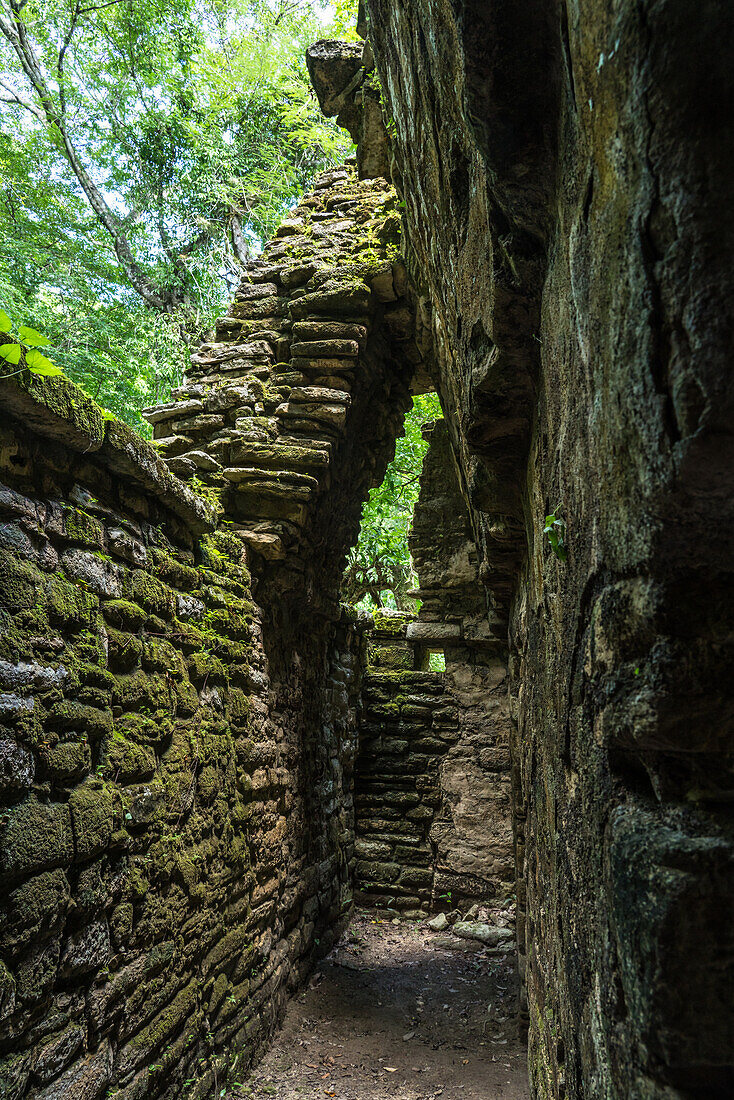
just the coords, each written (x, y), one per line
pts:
(391, 656)
(125, 650)
(67, 761)
(142, 692)
(160, 656)
(124, 614)
(34, 836)
(209, 783)
(167, 1021)
(153, 595)
(391, 623)
(144, 729)
(80, 527)
(69, 402)
(204, 667)
(92, 807)
(174, 572)
(69, 603)
(230, 622)
(188, 636)
(21, 583)
(15, 1070)
(125, 761)
(68, 714)
(35, 905)
(187, 701)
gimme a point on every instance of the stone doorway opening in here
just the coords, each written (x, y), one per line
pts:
(420, 996)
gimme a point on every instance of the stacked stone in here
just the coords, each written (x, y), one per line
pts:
(453, 610)
(167, 864)
(472, 833)
(407, 724)
(262, 417)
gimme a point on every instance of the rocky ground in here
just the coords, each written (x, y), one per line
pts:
(400, 1010)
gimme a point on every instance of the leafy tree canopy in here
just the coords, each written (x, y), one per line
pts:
(379, 569)
(147, 147)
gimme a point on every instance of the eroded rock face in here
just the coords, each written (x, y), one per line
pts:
(566, 175)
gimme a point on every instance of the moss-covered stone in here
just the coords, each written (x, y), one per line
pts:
(391, 622)
(174, 572)
(125, 649)
(124, 614)
(36, 836)
(153, 595)
(37, 904)
(144, 729)
(65, 762)
(92, 808)
(21, 583)
(142, 692)
(125, 761)
(159, 655)
(80, 527)
(92, 721)
(204, 667)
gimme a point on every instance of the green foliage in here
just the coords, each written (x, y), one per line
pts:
(25, 344)
(379, 569)
(157, 145)
(555, 530)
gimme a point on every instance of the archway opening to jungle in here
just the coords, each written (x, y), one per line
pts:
(380, 572)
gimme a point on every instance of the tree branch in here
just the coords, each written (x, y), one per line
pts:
(15, 32)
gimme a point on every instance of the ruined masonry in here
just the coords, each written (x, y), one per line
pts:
(184, 699)
(205, 759)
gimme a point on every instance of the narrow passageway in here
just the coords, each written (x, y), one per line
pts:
(397, 1010)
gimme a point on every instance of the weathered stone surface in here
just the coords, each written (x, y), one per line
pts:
(485, 933)
(561, 186)
(182, 795)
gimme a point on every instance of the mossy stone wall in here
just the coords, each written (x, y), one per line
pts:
(174, 844)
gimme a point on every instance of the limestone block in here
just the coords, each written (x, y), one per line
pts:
(101, 577)
(491, 935)
(438, 633)
(174, 411)
(334, 348)
(247, 292)
(331, 414)
(86, 950)
(17, 767)
(319, 331)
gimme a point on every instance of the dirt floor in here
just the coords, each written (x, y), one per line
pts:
(399, 1011)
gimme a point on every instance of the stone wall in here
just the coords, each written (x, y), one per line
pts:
(180, 686)
(408, 720)
(289, 416)
(175, 837)
(472, 835)
(432, 784)
(566, 174)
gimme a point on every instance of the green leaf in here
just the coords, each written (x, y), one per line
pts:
(33, 338)
(39, 364)
(106, 414)
(5, 323)
(11, 353)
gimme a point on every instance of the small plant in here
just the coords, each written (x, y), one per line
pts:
(25, 344)
(13, 345)
(555, 529)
